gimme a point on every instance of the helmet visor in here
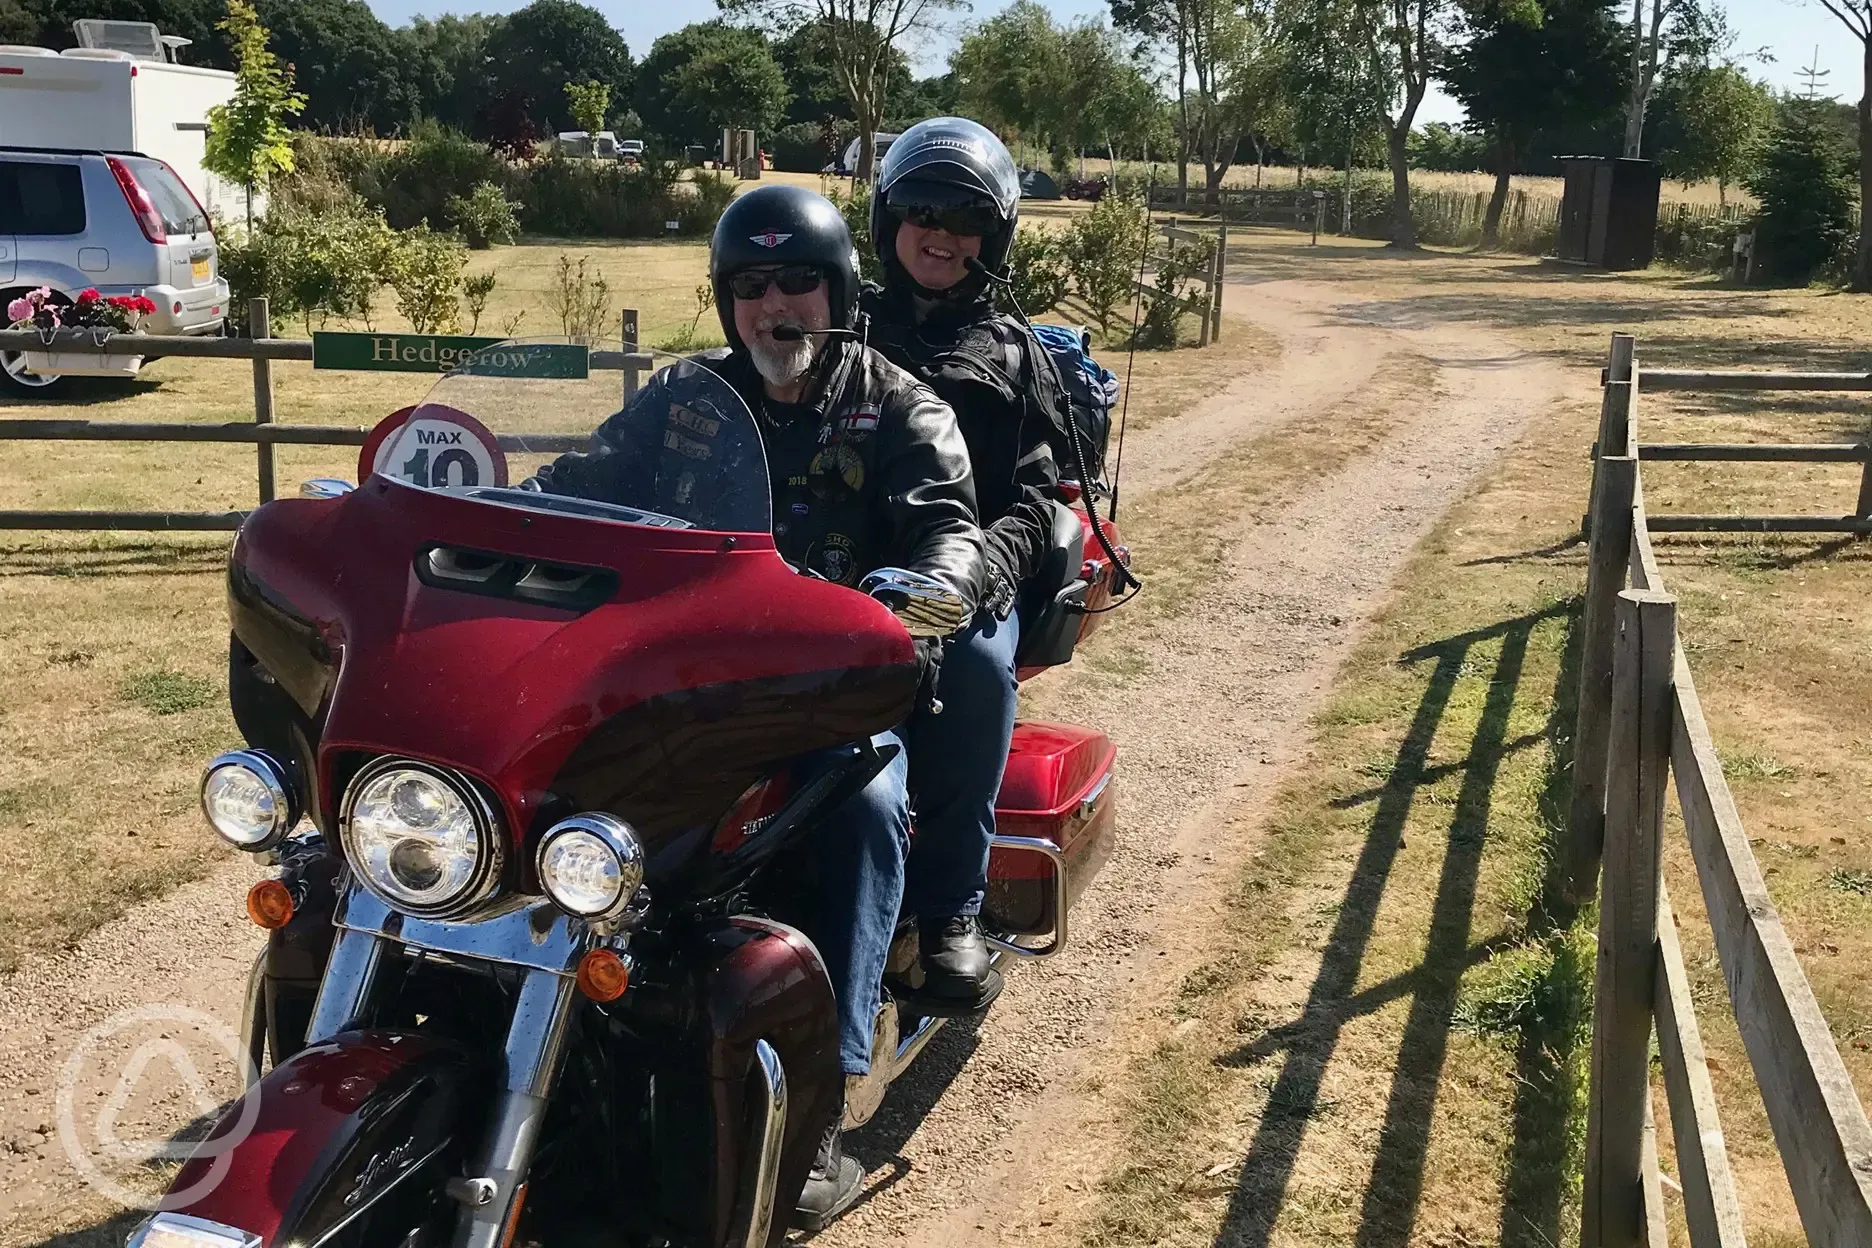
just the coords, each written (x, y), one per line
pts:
(939, 206)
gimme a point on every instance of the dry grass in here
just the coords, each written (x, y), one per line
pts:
(1279, 176)
(1350, 1069)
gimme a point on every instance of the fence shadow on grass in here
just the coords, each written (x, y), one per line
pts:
(1391, 1200)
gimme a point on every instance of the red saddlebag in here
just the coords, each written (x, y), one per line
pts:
(1058, 788)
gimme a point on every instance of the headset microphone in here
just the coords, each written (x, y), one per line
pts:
(793, 333)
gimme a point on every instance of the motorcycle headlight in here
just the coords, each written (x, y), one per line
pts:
(591, 866)
(249, 801)
(421, 838)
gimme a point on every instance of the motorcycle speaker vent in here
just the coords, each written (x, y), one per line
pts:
(566, 586)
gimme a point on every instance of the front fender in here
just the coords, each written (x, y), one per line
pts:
(342, 1129)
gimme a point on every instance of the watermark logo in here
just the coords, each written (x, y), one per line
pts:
(136, 1078)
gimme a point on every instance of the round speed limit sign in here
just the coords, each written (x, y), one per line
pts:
(435, 447)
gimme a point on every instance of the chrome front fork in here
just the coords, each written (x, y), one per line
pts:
(535, 1048)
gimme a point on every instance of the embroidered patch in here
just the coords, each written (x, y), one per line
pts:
(834, 558)
(686, 446)
(864, 420)
(693, 421)
(837, 472)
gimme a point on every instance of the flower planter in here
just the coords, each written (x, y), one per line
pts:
(81, 364)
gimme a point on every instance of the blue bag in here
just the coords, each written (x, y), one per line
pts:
(1091, 392)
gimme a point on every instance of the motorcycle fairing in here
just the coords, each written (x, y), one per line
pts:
(712, 661)
(339, 1127)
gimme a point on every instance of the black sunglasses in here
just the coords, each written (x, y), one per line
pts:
(961, 220)
(793, 279)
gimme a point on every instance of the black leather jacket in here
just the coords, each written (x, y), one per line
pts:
(869, 472)
(987, 366)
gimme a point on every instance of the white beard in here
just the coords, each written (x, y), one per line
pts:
(781, 363)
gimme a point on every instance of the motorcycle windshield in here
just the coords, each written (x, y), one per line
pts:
(680, 451)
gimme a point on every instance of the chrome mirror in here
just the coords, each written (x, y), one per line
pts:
(324, 487)
(924, 605)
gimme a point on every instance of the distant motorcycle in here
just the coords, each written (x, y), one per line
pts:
(1086, 188)
(535, 968)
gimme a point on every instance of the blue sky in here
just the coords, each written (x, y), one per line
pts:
(1788, 30)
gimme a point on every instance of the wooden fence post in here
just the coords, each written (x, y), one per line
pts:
(1215, 290)
(1206, 316)
(630, 346)
(1608, 558)
(1615, 411)
(1624, 986)
(260, 326)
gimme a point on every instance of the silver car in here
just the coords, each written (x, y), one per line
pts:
(121, 223)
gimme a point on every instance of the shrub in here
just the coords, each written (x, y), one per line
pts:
(1178, 283)
(476, 291)
(432, 169)
(1038, 265)
(484, 217)
(1102, 252)
(799, 148)
(427, 278)
(581, 300)
(313, 264)
(1807, 189)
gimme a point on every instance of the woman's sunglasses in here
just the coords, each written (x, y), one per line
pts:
(961, 220)
(794, 279)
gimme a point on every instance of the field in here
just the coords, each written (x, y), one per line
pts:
(1278, 176)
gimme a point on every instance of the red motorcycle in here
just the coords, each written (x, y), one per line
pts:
(535, 968)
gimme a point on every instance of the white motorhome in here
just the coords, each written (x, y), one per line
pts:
(120, 98)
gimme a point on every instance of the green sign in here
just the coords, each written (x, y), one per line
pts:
(442, 353)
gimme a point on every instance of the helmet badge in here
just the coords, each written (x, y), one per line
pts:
(769, 238)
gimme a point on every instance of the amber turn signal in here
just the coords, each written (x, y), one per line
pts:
(270, 904)
(602, 975)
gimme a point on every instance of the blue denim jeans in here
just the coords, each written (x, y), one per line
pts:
(860, 849)
(956, 761)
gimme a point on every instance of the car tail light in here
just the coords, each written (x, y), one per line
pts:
(148, 219)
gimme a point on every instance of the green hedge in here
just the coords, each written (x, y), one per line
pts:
(436, 176)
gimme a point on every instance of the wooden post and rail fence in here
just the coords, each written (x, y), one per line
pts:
(1208, 304)
(1641, 727)
(262, 350)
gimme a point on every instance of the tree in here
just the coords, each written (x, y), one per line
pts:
(862, 37)
(1805, 185)
(248, 141)
(707, 76)
(1668, 33)
(16, 24)
(1856, 16)
(1713, 121)
(816, 87)
(534, 52)
(1338, 80)
(352, 68)
(590, 104)
(449, 62)
(1530, 64)
(1009, 72)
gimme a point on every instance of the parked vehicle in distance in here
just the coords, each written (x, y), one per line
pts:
(631, 151)
(1086, 188)
(119, 222)
(848, 162)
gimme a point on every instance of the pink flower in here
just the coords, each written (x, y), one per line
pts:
(20, 310)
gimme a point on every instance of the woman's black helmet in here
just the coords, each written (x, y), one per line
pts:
(779, 225)
(940, 164)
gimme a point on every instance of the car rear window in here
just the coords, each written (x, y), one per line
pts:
(39, 197)
(179, 211)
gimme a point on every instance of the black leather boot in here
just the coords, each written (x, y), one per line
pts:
(832, 1184)
(956, 970)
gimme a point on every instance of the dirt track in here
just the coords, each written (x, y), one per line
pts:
(984, 1143)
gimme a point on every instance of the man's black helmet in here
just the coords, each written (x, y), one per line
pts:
(778, 225)
(946, 162)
